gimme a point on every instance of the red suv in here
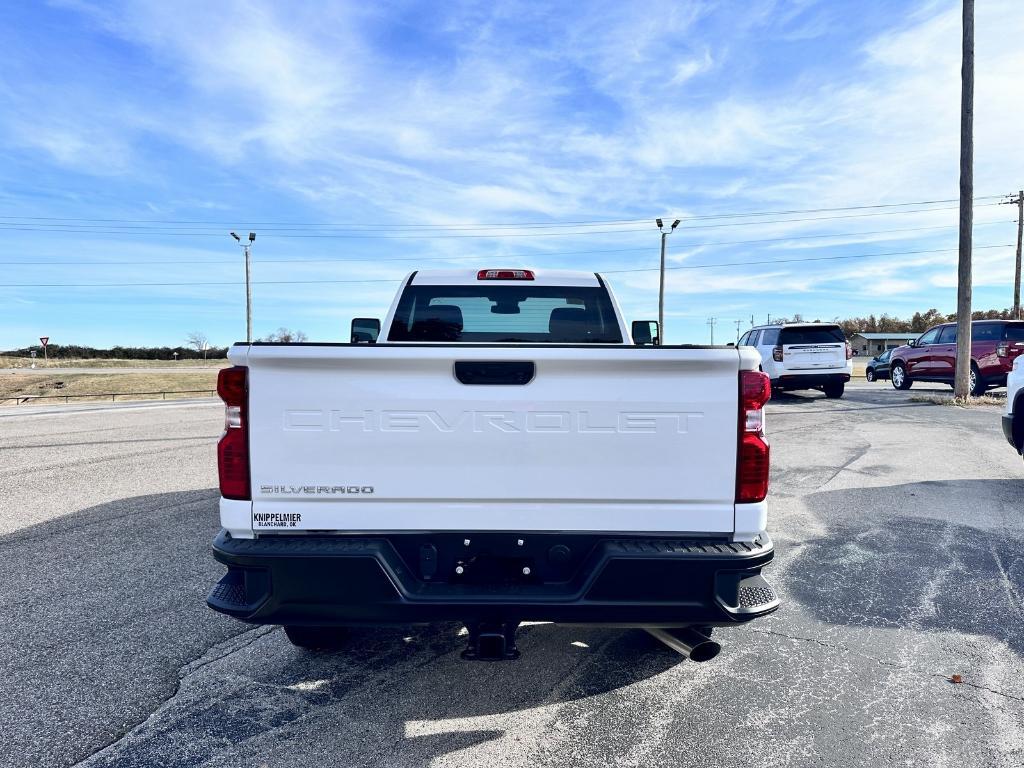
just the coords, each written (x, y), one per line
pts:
(995, 344)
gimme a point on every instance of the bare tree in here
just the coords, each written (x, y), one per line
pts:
(286, 335)
(197, 340)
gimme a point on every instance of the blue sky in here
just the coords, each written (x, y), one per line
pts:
(361, 141)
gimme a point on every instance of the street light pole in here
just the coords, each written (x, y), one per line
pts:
(248, 295)
(661, 278)
(247, 246)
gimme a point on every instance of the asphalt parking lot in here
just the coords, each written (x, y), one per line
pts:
(899, 528)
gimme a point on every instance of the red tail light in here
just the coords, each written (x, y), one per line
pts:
(777, 354)
(752, 451)
(233, 448)
(504, 274)
(849, 351)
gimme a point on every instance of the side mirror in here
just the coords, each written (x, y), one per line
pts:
(912, 343)
(731, 344)
(645, 332)
(365, 330)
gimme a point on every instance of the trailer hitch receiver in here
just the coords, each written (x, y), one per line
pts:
(491, 641)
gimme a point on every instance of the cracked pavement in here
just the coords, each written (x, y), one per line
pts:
(899, 528)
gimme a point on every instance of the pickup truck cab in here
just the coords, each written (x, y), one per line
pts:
(502, 452)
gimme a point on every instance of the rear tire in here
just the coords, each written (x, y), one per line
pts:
(834, 391)
(316, 638)
(899, 377)
(978, 385)
(870, 374)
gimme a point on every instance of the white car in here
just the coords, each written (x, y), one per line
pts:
(505, 451)
(803, 356)
(1013, 420)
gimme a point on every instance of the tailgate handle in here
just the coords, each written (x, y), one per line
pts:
(494, 372)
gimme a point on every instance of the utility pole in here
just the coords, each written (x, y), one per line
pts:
(1019, 202)
(711, 322)
(738, 322)
(962, 387)
(247, 247)
(661, 283)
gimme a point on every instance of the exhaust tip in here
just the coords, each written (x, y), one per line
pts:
(705, 651)
(692, 644)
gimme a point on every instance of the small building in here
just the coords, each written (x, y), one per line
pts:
(872, 344)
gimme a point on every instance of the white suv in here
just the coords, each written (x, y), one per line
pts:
(803, 356)
(1013, 421)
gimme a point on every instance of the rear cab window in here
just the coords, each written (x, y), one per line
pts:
(505, 313)
(817, 334)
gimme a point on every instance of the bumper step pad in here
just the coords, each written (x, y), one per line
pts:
(753, 595)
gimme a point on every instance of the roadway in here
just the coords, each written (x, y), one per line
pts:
(899, 531)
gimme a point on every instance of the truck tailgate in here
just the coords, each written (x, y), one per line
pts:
(386, 438)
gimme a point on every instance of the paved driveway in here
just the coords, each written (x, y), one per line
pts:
(899, 526)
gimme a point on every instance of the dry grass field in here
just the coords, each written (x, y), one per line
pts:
(126, 385)
(26, 363)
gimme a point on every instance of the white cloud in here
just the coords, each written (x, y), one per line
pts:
(690, 68)
(520, 111)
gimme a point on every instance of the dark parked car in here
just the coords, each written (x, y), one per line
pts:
(878, 367)
(995, 344)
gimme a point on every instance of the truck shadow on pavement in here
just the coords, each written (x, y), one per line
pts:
(108, 626)
(392, 697)
(943, 555)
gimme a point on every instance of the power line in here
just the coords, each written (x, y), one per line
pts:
(792, 261)
(165, 285)
(332, 235)
(396, 280)
(830, 210)
(7, 227)
(534, 254)
(338, 225)
(507, 225)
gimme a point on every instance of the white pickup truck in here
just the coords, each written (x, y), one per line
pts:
(503, 452)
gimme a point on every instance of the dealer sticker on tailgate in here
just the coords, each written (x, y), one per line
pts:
(276, 519)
